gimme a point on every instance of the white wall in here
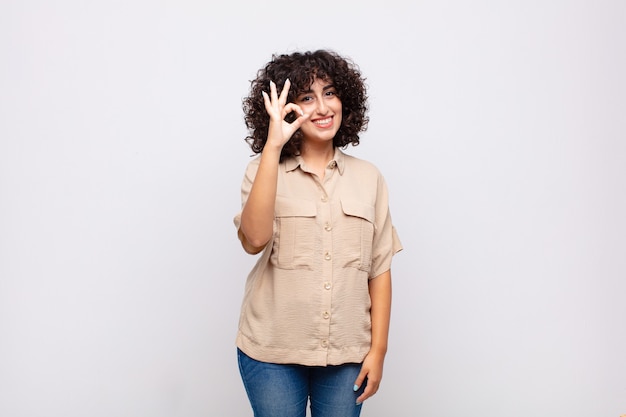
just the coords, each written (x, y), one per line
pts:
(500, 129)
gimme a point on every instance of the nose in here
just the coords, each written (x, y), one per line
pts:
(322, 108)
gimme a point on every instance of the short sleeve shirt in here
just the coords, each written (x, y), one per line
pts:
(306, 300)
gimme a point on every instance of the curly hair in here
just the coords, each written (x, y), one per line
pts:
(302, 68)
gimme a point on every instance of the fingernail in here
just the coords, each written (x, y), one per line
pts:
(301, 113)
(355, 387)
(358, 403)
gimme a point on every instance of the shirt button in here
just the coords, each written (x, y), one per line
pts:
(326, 315)
(333, 164)
(324, 343)
(328, 227)
(327, 256)
(324, 198)
(327, 285)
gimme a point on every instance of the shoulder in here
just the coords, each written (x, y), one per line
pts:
(254, 162)
(253, 166)
(362, 181)
(358, 166)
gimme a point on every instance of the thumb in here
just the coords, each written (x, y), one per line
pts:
(302, 117)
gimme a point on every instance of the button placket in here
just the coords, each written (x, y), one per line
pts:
(325, 224)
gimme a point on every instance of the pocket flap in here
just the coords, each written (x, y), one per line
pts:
(358, 209)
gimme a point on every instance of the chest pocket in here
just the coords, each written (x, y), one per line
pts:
(356, 235)
(295, 234)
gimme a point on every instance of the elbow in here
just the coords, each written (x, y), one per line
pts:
(250, 249)
(257, 242)
(252, 243)
(254, 235)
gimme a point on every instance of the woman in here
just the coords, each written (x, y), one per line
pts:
(315, 314)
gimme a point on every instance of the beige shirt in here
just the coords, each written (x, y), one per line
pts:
(307, 301)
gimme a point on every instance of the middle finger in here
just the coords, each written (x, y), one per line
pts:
(285, 91)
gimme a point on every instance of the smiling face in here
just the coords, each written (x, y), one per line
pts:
(324, 106)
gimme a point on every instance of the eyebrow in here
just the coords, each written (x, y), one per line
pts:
(328, 87)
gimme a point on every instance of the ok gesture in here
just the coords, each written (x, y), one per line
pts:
(280, 131)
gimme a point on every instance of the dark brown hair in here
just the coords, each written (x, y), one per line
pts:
(302, 68)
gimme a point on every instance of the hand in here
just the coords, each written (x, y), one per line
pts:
(277, 107)
(372, 368)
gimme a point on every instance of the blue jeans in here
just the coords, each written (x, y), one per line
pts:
(276, 390)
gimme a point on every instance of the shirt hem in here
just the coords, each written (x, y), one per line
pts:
(307, 357)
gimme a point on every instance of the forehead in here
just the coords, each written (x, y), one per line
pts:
(319, 84)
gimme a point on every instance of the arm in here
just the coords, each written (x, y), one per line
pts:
(258, 212)
(257, 216)
(372, 368)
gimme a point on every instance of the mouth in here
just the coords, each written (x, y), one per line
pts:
(323, 123)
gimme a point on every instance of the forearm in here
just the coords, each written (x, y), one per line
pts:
(257, 216)
(380, 311)
(380, 295)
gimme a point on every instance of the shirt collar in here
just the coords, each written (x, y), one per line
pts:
(292, 163)
(338, 159)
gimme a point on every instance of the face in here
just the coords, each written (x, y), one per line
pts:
(324, 106)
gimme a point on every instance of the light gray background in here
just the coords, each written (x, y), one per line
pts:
(499, 126)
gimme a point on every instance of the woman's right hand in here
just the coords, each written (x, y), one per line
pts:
(280, 131)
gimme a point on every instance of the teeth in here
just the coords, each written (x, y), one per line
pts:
(322, 122)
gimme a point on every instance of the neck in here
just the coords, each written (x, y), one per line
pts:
(317, 155)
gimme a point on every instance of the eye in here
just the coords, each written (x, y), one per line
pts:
(306, 98)
(330, 93)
